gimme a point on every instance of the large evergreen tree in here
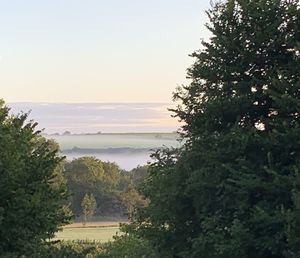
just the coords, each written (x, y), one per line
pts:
(233, 190)
(32, 194)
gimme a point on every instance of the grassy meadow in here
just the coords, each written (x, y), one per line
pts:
(98, 234)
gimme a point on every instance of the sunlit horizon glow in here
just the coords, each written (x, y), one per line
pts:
(75, 51)
(94, 117)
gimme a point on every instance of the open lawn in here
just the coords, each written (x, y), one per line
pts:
(101, 234)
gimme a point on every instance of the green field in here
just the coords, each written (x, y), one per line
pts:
(101, 234)
(134, 140)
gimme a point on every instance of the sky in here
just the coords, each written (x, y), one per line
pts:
(97, 51)
(99, 117)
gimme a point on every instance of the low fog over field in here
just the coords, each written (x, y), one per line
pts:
(128, 150)
(118, 132)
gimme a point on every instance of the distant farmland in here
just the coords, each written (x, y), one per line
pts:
(128, 150)
(114, 140)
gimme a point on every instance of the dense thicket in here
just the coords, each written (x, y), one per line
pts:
(233, 189)
(32, 194)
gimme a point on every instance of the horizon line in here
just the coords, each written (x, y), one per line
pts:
(121, 102)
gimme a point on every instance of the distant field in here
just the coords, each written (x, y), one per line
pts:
(100, 141)
(128, 150)
(101, 234)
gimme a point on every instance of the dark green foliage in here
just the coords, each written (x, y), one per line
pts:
(89, 175)
(130, 196)
(232, 191)
(31, 197)
(138, 174)
(114, 189)
(131, 199)
(122, 247)
(128, 246)
(70, 249)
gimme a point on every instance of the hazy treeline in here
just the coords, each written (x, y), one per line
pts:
(113, 188)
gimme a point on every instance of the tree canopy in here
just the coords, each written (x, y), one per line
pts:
(88, 175)
(112, 187)
(31, 196)
(232, 190)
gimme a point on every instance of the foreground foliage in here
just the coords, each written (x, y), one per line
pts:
(233, 190)
(122, 247)
(31, 194)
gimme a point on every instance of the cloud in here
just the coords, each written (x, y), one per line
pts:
(93, 117)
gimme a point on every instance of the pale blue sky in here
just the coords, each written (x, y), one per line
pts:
(97, 50)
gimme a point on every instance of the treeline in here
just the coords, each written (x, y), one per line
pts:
(101, 188)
